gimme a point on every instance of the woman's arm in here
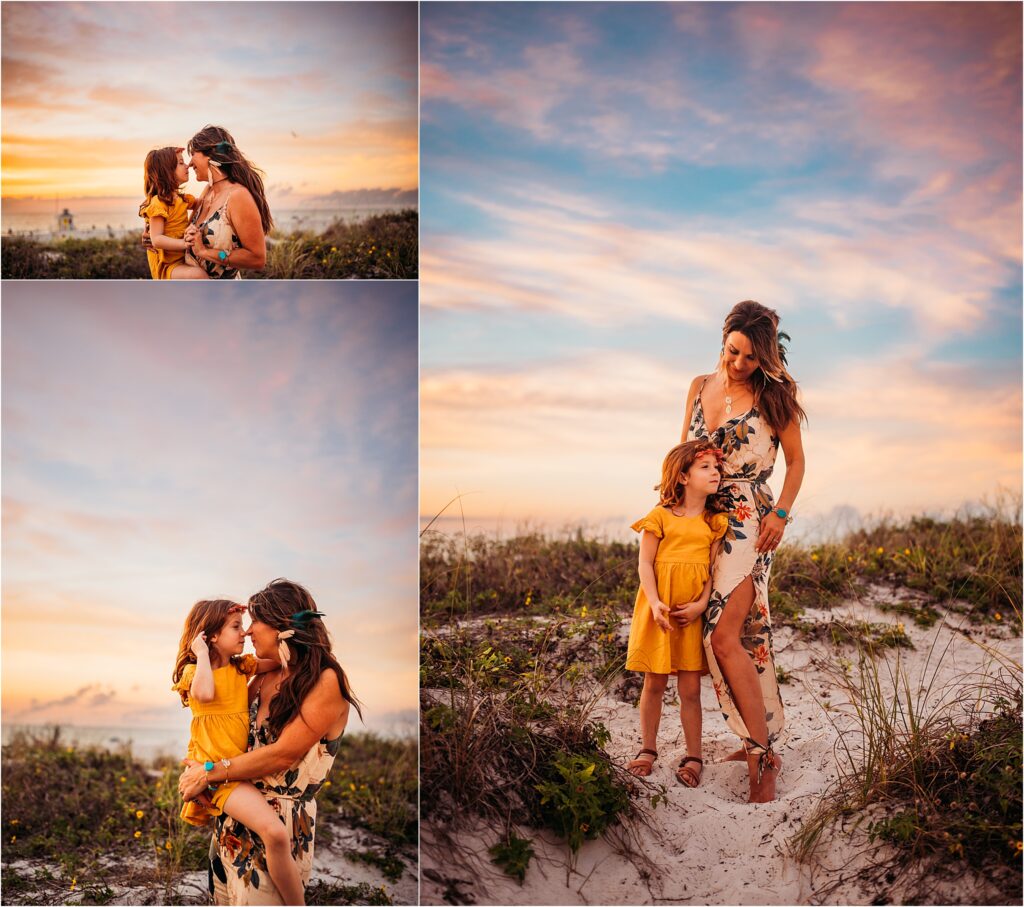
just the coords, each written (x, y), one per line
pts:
(159, 241)
(248, 227)
(772, 526)
(649, 543)
(320, 711)
(690, 397)
(202, 689)
(266, 665)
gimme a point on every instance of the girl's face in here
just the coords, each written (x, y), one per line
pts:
(738, 357)
(181, 171)
(264, 639)
(201, 164)
(703, 477)
(230, 638)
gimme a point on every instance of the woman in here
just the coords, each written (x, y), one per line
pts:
(297, 715)
(747, 408)
(230, 225)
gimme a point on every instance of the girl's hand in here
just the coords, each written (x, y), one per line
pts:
(772, 528)
(199, 646)
(659, 611)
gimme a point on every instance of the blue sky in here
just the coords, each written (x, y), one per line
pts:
(602, 182)
(180, 446)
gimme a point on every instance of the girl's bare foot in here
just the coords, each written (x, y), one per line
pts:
(738, 756)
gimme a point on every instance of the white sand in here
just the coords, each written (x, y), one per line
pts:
(708, 846)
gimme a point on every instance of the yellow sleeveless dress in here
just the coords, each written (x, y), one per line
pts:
(681, 567)
(163, 261)
(220, 728)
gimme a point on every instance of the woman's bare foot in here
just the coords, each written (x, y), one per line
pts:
(763, 791)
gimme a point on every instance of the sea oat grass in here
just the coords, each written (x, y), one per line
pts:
(933, 774)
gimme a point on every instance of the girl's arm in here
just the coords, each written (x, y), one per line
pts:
(690, 397)
(793, 449)
(649, 543)
(159, 241)
(202, 684)
(320, 710)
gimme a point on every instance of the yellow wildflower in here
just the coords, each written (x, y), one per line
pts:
(849, 558)
(15, 821)
(814, 557)
(167, 845)
(327, 784)
(1019, 846)
(71, 749)
(74, 883)
(352, 786)
(138, 834)
(880, 550)
(998, 616)
(508, 660)
(14, 838)
(906, 551)
(123, 779)
(139, 814)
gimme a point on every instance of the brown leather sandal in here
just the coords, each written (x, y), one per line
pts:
(642, 767)
(687, 776)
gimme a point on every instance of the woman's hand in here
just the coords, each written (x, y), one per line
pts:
(684, 615)
(192, 782)
(660, 612)
(772, 528)
(191, 232)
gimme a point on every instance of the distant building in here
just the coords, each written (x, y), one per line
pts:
(65, 222)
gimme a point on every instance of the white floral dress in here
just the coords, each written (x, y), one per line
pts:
(238, 860)
(749, 447)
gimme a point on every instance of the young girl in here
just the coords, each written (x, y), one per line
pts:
(678, 543)
(166, 213)
(211, 674)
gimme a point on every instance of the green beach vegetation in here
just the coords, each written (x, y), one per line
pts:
(384, 246)
(82, 825)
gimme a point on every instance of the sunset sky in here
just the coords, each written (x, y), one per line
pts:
(320, 96)
(184, 446)
(602, 182)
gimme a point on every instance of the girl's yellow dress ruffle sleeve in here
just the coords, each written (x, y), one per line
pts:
(220, 728)
(681, 568)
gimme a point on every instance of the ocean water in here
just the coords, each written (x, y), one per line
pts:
(146, 743)
(115, 220)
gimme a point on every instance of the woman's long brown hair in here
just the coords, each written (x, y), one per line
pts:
(158, 176)
(285, 605)
(207, 616)
(677, 462)
(216, 142)
(775, 391)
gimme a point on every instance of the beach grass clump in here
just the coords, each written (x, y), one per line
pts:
(931, 772)
(321, 892)
(373, 784)
(384, 246)
(71, 806)
(529, 574)
(508, 738)
(120, 258)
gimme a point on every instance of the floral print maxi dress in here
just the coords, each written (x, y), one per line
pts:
(238, 861)
(749, 449)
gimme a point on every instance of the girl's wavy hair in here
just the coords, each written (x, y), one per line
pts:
(285, 605)
(207, 616)
(158, 176)
(775, 390)
(677, 462)
(216, 143)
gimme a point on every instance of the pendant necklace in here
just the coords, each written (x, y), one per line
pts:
(728, 399)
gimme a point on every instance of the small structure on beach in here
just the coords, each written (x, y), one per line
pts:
(65, 222)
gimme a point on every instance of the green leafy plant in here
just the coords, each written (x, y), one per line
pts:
(512, 856)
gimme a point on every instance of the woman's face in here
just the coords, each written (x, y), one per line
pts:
(201, 164)
(738, 357)
(264, 639)
(181, 171)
